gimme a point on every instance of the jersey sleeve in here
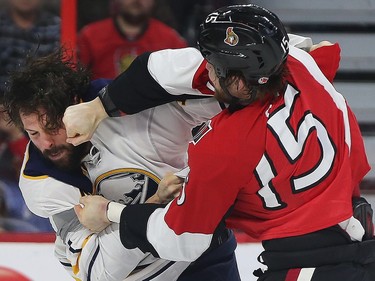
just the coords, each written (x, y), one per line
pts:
(46, 197)
(159, 78)
(328, 60)
(53, 199)
(300, 42)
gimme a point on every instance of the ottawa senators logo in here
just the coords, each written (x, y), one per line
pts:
(231, 38)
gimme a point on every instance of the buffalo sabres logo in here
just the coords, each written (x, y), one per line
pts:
(231, 38)
(127, 186)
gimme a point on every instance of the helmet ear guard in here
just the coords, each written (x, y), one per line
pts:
(245, 38)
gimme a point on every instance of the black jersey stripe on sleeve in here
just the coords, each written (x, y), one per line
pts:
(135, 89)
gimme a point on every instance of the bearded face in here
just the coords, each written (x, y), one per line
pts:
(66, 156)
(135, 12)
(52, 144)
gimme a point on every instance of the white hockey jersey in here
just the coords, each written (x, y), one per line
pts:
(128, 158)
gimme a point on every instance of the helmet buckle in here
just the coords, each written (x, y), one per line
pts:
(263, 80)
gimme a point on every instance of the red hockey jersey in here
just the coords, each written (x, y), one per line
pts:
(278, 168)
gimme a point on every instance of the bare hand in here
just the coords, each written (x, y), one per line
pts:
(168, 189)
(320, 44)
(81, 120)
(92, 213)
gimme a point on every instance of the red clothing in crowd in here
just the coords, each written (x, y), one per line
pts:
(108, 52)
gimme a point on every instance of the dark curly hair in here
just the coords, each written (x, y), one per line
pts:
(50, 83)
(268, 91)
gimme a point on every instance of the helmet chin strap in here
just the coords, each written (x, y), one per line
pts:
(237, 103)
(225, 90)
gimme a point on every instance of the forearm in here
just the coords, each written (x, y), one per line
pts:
(133, 228)
(159, 78)
(143, 226)
(134, 233)
(135, 90)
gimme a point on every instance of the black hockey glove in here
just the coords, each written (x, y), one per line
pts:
(362, 211)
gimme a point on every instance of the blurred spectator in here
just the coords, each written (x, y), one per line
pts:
(25, 27)
(12, 147)
(16, 225)
(3, 209)
(92, 10)
(15, 216)
(190, 14)
(100, 9)
(108, 46)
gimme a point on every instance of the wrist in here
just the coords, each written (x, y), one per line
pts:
(99, 110)
(114, 211)
(107, 104)
(155, 199)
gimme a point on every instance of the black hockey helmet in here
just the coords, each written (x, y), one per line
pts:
(245, 38)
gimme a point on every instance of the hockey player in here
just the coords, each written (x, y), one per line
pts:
(123, 163)
(282, 163)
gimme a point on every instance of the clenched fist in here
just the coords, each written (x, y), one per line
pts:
(81, 120)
